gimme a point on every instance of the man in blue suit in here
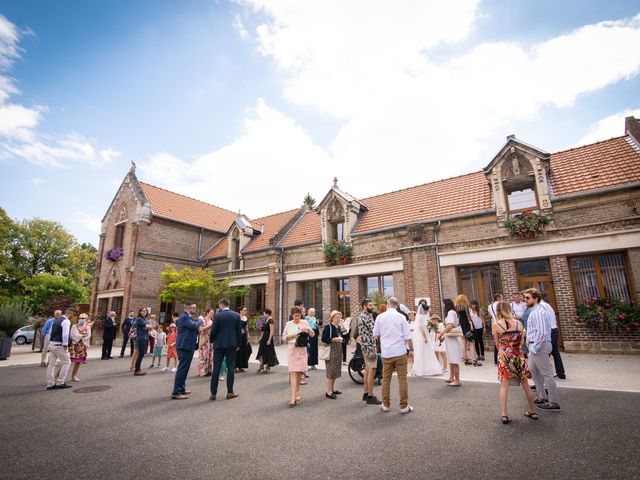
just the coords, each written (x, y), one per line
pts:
(185, 345)
(226, 333)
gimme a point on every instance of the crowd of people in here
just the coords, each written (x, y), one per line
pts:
(391, 338)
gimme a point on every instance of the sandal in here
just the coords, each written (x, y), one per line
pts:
(531, 415)
(505, 420)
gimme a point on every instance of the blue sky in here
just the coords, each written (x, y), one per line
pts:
(251, 104)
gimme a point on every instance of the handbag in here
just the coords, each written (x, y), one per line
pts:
(302, 340)
(455, 332)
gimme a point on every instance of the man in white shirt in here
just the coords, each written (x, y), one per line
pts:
(392, 328)
(518, 306)
(555, 349)
(59, 349)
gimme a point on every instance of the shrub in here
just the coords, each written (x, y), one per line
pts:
(609, 315)
(14, 313)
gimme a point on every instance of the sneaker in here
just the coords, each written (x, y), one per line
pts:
(554, 407)
(373, 400)
(407, 409)
(384, 409)
(173, 370)
(165, 369)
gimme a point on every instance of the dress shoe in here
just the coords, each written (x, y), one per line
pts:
(180, 397)
(231, 395)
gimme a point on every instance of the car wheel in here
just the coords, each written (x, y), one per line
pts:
(21, 340)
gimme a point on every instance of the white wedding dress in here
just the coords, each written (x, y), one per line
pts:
(425, 362)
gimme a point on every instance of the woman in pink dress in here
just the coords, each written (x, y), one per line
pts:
(297, 356)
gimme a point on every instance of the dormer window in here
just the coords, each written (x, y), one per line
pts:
(235, 249)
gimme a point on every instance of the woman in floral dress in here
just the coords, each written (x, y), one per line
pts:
(205, 357)
(508, 336)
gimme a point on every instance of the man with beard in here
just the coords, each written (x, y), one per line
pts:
(369, 351)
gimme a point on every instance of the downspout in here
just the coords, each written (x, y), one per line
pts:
(281, 302)
(437, 229)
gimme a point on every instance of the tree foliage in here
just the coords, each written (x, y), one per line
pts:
(198, 285)
(310, 201)
(42, 288)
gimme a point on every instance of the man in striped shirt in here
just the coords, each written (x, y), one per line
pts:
(539, 344)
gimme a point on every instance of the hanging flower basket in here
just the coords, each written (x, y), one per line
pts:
(338, 253)
(114, 254)
(526, 225)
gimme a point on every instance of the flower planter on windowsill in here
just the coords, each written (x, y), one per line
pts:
(337, 253)
(526, 225)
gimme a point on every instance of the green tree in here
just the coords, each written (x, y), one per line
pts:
(44, 246)
(80, 264)
(310, 201)
(42, 288)
(198, 285)
(10, 273)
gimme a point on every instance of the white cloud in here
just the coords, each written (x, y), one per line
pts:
(608, 127)
(239, 27)
(19, 134)
(88, 221)
(264, 171)
(38, 181)
(371, 66)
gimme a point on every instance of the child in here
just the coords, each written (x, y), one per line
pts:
(171, 348)
(158, 346)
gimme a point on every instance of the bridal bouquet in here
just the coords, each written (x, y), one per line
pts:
(432, 324)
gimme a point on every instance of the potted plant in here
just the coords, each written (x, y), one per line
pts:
(14, 313)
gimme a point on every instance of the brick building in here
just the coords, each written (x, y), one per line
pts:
(429, 241)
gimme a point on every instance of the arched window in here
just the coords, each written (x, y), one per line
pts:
(519, 185)
(335, 216)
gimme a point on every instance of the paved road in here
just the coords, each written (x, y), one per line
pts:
(133, 430)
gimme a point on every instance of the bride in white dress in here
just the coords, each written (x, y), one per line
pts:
(425, 362)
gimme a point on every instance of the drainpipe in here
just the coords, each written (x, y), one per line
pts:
(437, 229)
(281, 302)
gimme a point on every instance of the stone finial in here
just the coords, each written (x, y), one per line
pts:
(335, 182)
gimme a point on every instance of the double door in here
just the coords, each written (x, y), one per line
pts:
(537, 274)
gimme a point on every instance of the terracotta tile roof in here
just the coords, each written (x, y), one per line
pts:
(596, 166)
(187, 210)
(442, 198)
(271, 225)
(219, 249)
(307, 230)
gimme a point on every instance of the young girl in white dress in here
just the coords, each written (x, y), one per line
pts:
(425, 362)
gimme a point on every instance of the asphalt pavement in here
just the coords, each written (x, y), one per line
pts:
(134, 430)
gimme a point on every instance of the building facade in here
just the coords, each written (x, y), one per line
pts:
(429, 241)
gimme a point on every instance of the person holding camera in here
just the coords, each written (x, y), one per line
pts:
(296, 334)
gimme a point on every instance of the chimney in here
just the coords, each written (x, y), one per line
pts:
(632, 128)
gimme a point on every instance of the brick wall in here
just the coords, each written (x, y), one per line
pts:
(508, 279)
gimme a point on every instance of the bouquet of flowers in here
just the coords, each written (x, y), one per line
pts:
(432, 324)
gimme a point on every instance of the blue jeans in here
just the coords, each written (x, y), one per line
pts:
(184, 363)
(142, 348)
(218, 354)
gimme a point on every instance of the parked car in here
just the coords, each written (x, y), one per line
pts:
(24, 335)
